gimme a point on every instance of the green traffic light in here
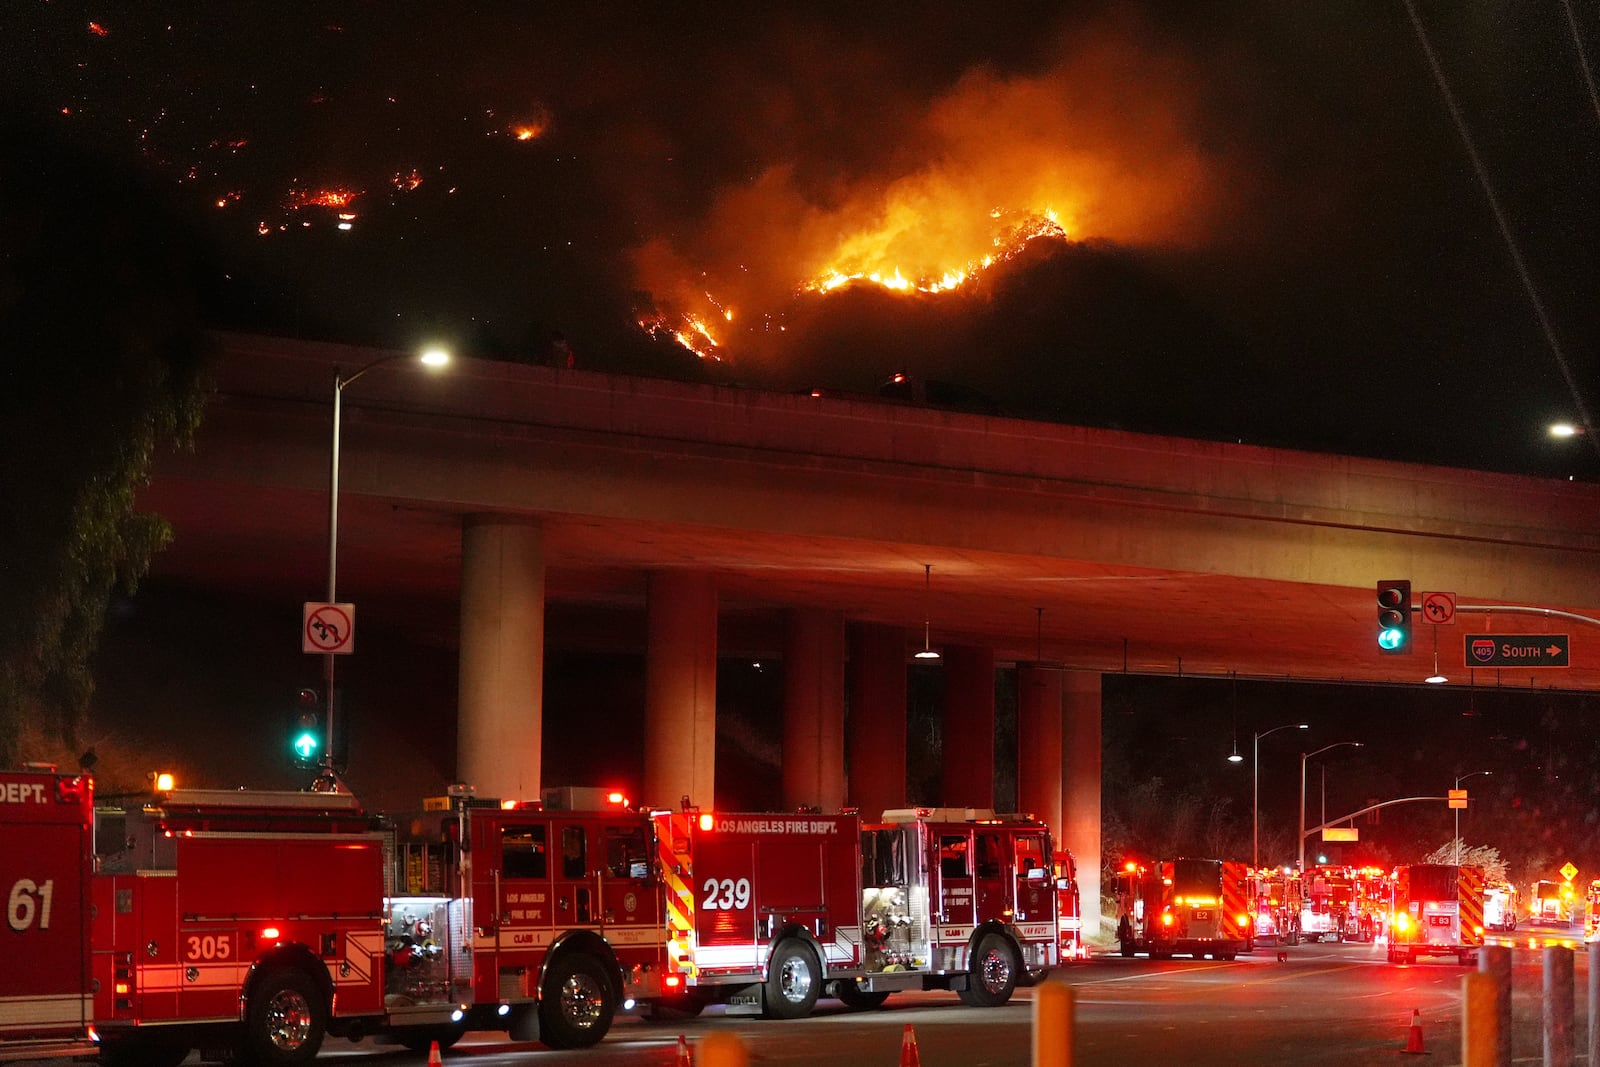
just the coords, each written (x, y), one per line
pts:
(1391, 639)
(305, 745)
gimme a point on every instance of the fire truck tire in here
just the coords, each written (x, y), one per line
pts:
(286, 1020)
(994, 973)
(578, 1002)
(137, 1053)
(855, 998)
(794, 980)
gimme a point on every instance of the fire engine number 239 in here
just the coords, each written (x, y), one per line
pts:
(726, 894)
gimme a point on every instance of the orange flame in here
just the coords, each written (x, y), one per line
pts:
(689, 330)
(1077, 153)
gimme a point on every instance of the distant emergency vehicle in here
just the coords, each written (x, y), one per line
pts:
(1436, 910)
(1550, 902)
(1192, 907)
(1500, 901)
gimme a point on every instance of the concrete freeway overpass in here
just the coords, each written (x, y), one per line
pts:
(500, 488)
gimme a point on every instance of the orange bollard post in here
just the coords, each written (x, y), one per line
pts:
(434, 1059)
(1414, 1038)
(685, 1059)
(1052, 1024)
(723, 1050)
(909, 1056)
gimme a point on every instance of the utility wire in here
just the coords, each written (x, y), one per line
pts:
(1583, 57)
(1505, 230)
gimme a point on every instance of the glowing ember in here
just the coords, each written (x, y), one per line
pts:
(406, 182)
(330, 198)
(97, 29)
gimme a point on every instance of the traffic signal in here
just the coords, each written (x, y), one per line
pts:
(306, 729)
(1394, 616)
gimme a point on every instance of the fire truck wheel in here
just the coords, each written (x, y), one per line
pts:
(993, 975)
(286, 1020)
(794, 980)
(577, 1004)
(855, 998)
(136, 1053)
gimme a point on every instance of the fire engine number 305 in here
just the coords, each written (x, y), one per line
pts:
(29, 899)
(726, 895)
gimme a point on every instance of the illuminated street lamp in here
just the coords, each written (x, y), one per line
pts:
(1457, 844)
(1255, 797)
(432, 358)
(1303, 757)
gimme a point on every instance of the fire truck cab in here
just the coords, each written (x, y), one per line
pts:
(46, 859)
(1437, 910)
(1183, 907)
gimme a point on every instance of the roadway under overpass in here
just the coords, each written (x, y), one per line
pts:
(500, 488)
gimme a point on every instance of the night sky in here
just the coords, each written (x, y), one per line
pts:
(1249, 221)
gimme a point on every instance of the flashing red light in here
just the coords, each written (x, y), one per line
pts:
(269, 933)
(707, 821)
(672, 981)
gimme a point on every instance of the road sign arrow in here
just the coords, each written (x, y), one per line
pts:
(1554, 650)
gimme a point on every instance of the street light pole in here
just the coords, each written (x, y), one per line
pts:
(1456, 843)
(1255, 799)
(431, 358)
(1303, 757)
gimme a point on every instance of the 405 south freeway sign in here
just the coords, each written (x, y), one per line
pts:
(1516, 650)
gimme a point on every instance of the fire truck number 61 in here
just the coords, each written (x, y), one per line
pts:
(726, 895)
(21, 908)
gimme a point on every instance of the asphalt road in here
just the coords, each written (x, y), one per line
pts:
(1323, 1004)
(1332, 1004)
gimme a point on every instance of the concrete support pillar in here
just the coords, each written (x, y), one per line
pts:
(1080, 787)
(500, 720)
(1039, 743)
(680, 701)
(813, 709)
(877, 735)
(968, 779)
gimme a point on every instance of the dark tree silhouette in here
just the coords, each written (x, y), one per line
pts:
(101, 359)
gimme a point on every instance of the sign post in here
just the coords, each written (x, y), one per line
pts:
(1516, 650)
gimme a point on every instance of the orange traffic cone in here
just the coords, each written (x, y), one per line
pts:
(909, 1057)
(684, 1058)
(434, 1059)
(1414, 1038)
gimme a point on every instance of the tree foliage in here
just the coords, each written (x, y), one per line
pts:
(1485, 856)
(101, 365)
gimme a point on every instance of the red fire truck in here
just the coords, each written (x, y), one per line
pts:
(1275, 911)
(252, 924)
(1437, 910)
(46, 859)
(256, 923)
(1186, 906)
(768, 912)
